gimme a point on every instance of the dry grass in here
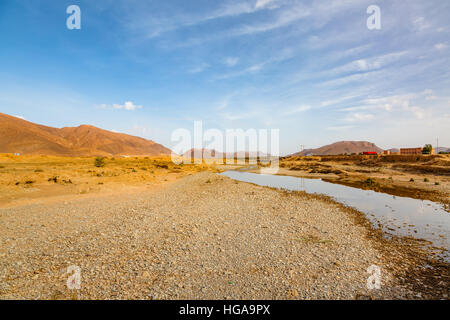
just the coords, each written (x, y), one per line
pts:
(25, 177)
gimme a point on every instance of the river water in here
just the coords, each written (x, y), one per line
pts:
(402, 216)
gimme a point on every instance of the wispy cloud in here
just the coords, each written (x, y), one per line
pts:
(128, 105)
(359, 117)
(369, 64)
(340, 128)
(200, 68)
(282, 55)
(298, 109)
(231, 61)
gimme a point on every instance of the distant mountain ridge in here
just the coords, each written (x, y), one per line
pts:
(442, 149)
(21, 136)
(341, 147)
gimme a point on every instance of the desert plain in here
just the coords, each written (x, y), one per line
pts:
(146, 228)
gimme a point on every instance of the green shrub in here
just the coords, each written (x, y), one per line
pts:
(426, 180)
(436, 183)
(99, 162)
(411, 180)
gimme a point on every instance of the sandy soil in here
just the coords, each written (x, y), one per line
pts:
(34, 179)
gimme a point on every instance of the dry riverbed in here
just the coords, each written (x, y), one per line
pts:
(205, 236)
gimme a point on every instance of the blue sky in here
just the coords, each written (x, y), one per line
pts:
(310, 68)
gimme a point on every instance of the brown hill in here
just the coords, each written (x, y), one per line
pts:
(21, 136)
(341, 147)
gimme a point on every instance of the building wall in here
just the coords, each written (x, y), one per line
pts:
(411, 151)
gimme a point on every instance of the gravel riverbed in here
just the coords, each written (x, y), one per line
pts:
(202, 237)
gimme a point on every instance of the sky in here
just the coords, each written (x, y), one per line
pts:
(312, 69)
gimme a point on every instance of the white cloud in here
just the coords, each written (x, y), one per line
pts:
(231, 61)
(237, 116)
(340, 128)
(200, 68)
(283, 55)
(265, 3)
(359, 117)
(298, 109)
(369, 64)
(440, 46)
(128, 105)
(421, 24)
(20, 117)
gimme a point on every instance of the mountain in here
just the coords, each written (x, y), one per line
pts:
(442, 149)
(341, 147)
(21, 136)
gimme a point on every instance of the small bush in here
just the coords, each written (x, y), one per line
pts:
(370, 181)
(411, 180)
(99, 162)
(208, 181)
(1, 167)
(436, 183)
(38, 170)
(426, 180)
(54, 179)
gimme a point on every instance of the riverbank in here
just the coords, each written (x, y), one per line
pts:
(419, 177)
(205, 236)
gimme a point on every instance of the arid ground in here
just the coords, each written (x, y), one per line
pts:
(144, 228)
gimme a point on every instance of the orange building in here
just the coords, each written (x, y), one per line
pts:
(411, 150)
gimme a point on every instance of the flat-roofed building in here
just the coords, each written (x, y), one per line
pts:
(411, 150)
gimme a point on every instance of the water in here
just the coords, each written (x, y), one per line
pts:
(402, 216)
